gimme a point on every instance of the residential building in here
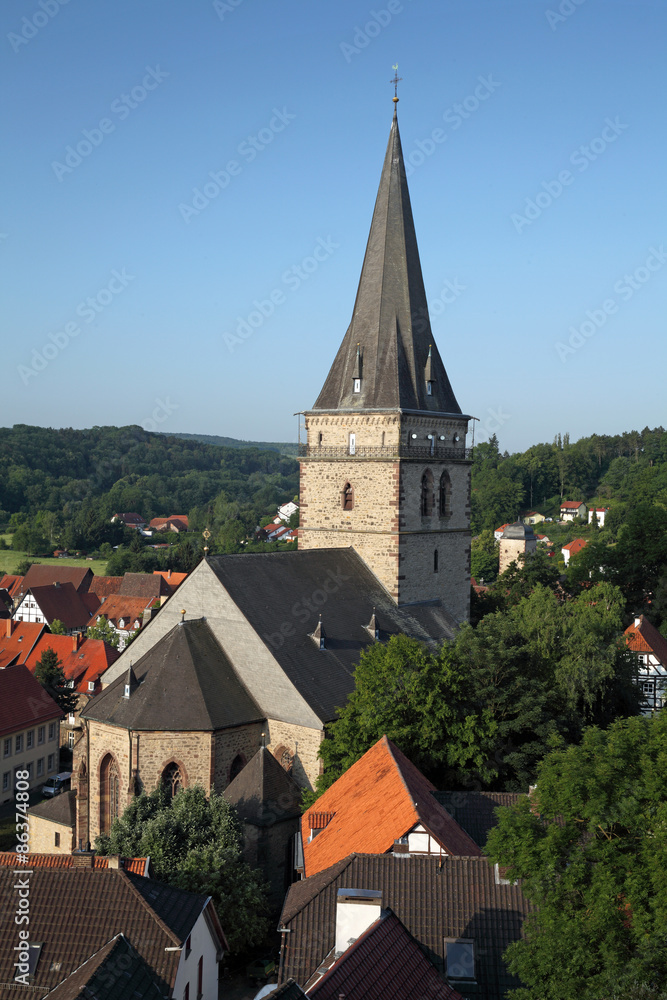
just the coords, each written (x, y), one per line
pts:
(599, 513)
(381, 804)
(171, 578)
(173, 938)
(571, 510)
(459, 911)
(29, 730)
(56, 602)
(572, 548)
(532, 517)
(105, 586)
(17, 639)
(650, 648)
(287, 509)
(516, 540)
(150, 586)
(498, 533)
(131, 520)
(175, 522)
(48, 574)
(125, 615)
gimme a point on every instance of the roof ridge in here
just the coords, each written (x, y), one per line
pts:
(391, 747)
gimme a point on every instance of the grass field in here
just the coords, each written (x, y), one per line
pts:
(9, 560)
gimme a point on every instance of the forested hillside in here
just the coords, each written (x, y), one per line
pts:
(284, 447)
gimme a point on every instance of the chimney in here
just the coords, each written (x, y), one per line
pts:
(86, 859)
(76, 641)
(9, 627)
(113, 861)
(57, 584)
(638, 620)
(356, 910)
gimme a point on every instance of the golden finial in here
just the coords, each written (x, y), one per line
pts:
(396, 80)
(206, 534)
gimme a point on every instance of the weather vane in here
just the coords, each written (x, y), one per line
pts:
(396, 80)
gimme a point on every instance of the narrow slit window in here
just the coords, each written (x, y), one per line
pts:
(353, 443)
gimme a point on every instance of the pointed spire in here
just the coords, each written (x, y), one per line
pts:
(390, 327)
(131, 682)
(318, 636)
(372, 626)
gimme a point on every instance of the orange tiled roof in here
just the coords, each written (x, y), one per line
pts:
(103, 586)
(576, 545)
(645, 638)
(8, 859)
(571, 504)
(169, 576)
(117, 606)
(12, 584)
(17, 639)
(376, 801)
(81, 664)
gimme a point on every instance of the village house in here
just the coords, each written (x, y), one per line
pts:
(29, 730)
(572, 548)
(57, 602)
(532, 517)
(175, 522)
(131, 520)
(598, 514)
(571, 510)
(650, 648)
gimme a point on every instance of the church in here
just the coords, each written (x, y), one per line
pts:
(257, 652)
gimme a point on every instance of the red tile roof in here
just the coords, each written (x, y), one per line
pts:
(384, 963)
(60, 601)
(171, 578)
(128, 608)
(11, 583)
(571, 504)
(576, 545)
(45, 575)
(645, 638)
(140, 866)
(23, 701)
(377, 801)
(105, 585)
(180, 520)
(82, 663)
(17, 639)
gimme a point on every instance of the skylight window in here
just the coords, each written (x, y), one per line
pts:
(460, 956)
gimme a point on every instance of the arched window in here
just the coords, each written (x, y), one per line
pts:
(109, 793)
(284, 756)
(238, 764)
(427, 494)
(172, 778)
(435, 561)
(347, 497)
(445, 495)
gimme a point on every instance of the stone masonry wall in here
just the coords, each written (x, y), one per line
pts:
(302, 744)
(43, 840)
(228, 744)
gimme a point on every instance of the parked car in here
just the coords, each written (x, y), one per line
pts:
(59, 783)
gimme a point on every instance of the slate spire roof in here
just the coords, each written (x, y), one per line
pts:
(263, 792)
(389, 338)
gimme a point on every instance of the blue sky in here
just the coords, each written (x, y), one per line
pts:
(171, 168)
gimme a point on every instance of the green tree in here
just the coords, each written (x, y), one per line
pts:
(57, 627)
(590, 848)
(484, 557)
(195, 842)
(49, 673)
(102, 630)
(420, 701)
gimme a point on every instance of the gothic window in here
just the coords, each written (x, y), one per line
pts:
(445, 495)
(427, 494)
(238, 764)
(284, 756)
(172, 778)
(435, 561)
(347, 497)
(109, 793)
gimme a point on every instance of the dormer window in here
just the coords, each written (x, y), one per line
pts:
(429, 388)
(127, 691)
(357, 385)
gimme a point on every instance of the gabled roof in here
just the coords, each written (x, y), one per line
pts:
(59, 601)
(11, 583)
(117, 607)
(23, 701)
(576, 545)
(102, 586)
(384, 963)
(146, 585)
(263, 792)
(83, 664)
(572, 504)
(17, 639)
(389, 339)
(374, 803)
(171, 578)
(45, 575)
(185, 683)
(476, 811)
(67, 914)
(434, 899)
(99, 977)
(59, 809)
(645, 638)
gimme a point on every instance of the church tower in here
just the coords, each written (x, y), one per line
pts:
(385, 468)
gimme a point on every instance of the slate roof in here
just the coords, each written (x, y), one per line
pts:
(390, 326)
(45, 575)
(376, 801)
(115, 972)
(338, 583)
(384, 963)
(433, 899)
(58, 809)
(61, 601)
(148, 585)
(476, 811)
(23, 701)
(645, 638)
(263, 792)
(76, 912)
(16, 645)
(185, 683)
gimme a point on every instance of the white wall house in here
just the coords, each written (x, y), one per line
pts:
(650, 648)
(197, 975)
(598, 512)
